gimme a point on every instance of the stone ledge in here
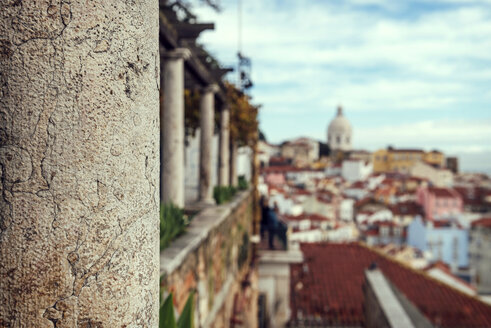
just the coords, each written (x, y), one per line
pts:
(280, 257)
(198, 231)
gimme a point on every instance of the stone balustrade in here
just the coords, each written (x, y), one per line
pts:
(212, 258)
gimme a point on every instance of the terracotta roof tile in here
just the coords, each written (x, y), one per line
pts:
(327, 287)
(484, 222)
(443, 192)
(407, 208)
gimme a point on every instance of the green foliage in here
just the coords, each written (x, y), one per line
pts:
(243, 184)
(166, 313)
(243, 117)
(186, 319)
(223, 194)
(243, 250)
(172, 223)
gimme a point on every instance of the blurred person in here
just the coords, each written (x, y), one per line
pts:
(263, 203)
(272, 222)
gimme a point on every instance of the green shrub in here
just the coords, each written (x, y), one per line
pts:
(242, 183)
(166, 313)
(172, 223)
(223, 194)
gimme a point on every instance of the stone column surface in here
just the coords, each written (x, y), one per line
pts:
(234, 180)
(223, 177)
(207, 123)
(79, 165)
(172, 127)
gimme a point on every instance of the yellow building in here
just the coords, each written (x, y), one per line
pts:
(434, 158)
(402, 160)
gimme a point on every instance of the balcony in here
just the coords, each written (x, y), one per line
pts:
(212, 259)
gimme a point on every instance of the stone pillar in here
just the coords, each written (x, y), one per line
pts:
(223, 177)
(79, 164)
(207, 124)
(234, 180)
(172, 127)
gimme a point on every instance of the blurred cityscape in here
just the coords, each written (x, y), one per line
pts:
(346, 217)
(306, 164)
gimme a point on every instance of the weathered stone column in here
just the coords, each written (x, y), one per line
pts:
(207, 124)
(79, 168)
(234, 180)
(172, 127)
(223, 177)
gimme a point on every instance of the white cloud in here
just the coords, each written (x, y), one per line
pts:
(309, 58)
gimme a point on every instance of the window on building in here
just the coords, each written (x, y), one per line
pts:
(338, 140)
(347, 139)
(455, 250)
(384, 231)
(385, 158)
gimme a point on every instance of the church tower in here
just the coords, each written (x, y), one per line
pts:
(339, 132)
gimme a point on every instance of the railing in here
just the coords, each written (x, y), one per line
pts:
(211, 259)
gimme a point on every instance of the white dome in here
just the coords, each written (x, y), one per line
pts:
(339, 132)
(340, 124)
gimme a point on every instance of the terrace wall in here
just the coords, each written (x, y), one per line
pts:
(213, 259)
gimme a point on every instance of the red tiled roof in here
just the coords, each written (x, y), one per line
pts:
(471, 195)
(279, 169)
(363, 201)
(484, 222)
(312, 217)
(445, 224)
(301, 192)
(407, 208)
(443, 192)
(358, 184)
(371, 232)
(328, 287)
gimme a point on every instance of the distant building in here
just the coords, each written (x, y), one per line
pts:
(383, 233)
(361, 155)
(346, 210)
(440, 203)
(453, 164)
(476, 199)
(480, 253)
(356, 170)
(439, 177)
(266, 151)
(302, 151)
(339, 132)
(405, 212)
(402, 160)
(274, 175)
(447, 241)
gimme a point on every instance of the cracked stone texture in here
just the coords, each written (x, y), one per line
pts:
(79, 138)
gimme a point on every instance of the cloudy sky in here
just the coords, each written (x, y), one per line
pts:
(408, 73)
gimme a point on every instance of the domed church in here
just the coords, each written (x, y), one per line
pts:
(339, 132)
